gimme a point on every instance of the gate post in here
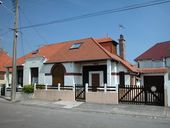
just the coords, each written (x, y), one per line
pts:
(86, 87)
(46, 87)
(35, 86)
(59, 86)
(105, 87)
(74, 87)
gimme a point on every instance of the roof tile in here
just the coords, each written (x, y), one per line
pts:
(157, 52)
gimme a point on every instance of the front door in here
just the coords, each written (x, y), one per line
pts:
(34, 75)
(95, 80)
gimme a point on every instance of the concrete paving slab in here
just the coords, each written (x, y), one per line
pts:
(68, 104)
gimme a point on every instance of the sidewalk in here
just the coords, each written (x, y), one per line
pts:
(122, 109)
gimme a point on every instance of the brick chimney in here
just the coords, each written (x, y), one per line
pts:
(122, 47)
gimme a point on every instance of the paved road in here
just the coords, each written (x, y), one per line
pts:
(21, 116)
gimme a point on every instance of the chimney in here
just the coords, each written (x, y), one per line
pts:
(122, 47)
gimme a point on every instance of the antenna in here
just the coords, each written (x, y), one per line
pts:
(121, 27)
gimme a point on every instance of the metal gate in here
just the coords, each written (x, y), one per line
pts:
(80, 93)
(149, 95)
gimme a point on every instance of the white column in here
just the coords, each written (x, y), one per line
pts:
(7, 77)
(109, 69)
(115, 77)
(59, 86)
(35, 86)
(105, 87)
(86, 87)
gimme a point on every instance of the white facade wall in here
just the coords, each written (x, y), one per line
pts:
(109, 73)
(167, 89)
(145, 64)
(71, 80)
(121, 68)
(157, 63)
(46, 69)
(168, 62)
(114, 78)
(48, 80)
(32, 63)
(154, 63)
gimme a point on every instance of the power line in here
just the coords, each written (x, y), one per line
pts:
(33, 28)
(99, 13)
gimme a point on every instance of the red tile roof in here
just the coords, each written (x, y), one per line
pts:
(90, 49)
(154, 70)
(5, 59)
(119, 59)
(157, 52)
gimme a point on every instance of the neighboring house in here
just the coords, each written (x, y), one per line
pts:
(86, 61)
(154, 65)
(4, 60)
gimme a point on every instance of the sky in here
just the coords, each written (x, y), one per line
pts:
(142, 27)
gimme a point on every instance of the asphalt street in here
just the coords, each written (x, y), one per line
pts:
(14, 115)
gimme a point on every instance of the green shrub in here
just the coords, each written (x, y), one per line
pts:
(28, 89)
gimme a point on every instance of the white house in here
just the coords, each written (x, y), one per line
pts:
(154, 65)
(79, 62)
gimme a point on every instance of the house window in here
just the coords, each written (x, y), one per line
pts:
(76, 46)
(122, 78)
(20, 77)
(168, 73)
(34, 75)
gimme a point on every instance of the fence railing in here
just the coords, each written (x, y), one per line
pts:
(58, 87)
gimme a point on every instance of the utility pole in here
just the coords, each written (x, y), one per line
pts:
(14, 67)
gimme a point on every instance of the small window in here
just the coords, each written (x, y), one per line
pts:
(35, 52)
(76, 46)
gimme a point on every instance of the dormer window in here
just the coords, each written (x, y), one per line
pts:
(35, 52)
(76, 45)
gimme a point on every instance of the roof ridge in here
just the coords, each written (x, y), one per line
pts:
(168, 41)
(63, 42)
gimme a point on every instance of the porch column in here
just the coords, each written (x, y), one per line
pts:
(7, 77)
(109, 72)
(115, 70)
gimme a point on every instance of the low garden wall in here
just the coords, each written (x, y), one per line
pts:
(102, 97)
(54, 95)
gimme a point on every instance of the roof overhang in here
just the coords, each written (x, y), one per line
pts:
(153, 70)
